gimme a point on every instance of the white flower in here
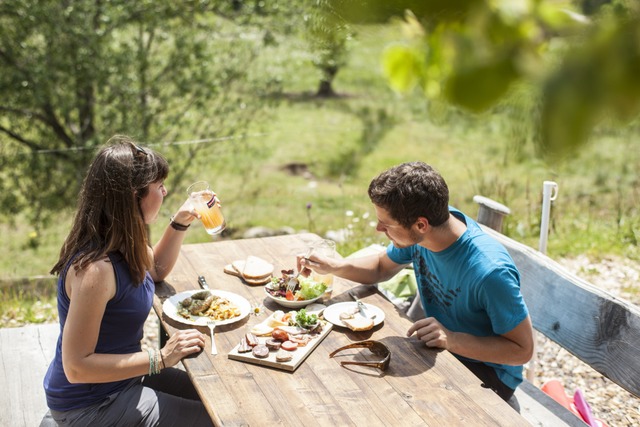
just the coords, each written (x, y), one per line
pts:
(365, 215)
(349, 213)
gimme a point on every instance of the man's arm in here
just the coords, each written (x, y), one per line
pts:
(369, 269)
(512, 348)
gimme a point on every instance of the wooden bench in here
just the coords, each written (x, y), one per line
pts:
(593, 325)
(25, 354)
(597, 328)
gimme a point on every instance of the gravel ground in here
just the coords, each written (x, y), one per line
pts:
(608, 401)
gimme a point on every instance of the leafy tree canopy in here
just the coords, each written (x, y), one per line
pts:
(472, 52)
(74, 73)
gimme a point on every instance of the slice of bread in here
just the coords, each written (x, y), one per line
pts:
(358, 323)
(262, 281)
(256, 268)
(259, 271)
(238, 266)
(232, 271)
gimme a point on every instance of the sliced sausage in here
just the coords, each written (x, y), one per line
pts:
(260, 351)
(283, 356)
(289, 345)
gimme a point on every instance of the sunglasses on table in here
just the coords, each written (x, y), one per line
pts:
(376, 347)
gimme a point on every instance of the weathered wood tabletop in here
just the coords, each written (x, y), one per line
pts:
(421, 387)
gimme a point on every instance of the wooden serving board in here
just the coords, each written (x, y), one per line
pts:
(299, 354)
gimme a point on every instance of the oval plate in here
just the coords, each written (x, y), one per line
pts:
(332, 313)
(170, 308)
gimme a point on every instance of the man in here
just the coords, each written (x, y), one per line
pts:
(468, 283)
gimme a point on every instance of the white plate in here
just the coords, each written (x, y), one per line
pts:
(291, 304)
(170, 307)
(332, 312)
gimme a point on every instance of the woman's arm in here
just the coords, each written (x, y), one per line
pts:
(165, 252)
(89, 291)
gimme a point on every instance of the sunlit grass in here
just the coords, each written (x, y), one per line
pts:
(33, 302)
(346, 141)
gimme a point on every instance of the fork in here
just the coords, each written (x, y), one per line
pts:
(212, 325)
(293, 281)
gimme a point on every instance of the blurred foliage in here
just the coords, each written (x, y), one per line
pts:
(472, 52)
(337, 143)
(72, 74)
(328, 35)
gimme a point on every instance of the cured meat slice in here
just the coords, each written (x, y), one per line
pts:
(260, 351)
(251, 339)
(301, 340)
(289, 345)
(273, 344)
(244, 347)
(283, 356)
(280, 335)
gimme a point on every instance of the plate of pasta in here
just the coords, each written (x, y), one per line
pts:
(197, 307)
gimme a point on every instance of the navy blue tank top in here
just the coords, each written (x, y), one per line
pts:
(121, 332)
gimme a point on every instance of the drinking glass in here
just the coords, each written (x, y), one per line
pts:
(205, 203)
(325, 248)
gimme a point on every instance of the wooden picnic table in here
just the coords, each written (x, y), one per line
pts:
(422, 386)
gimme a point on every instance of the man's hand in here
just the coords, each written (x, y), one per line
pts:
(432, 333)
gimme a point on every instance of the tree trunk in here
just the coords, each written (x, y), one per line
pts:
(325, 89)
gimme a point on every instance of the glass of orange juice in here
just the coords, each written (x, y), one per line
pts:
(206, 204)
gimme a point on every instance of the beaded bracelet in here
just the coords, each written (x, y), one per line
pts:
(150, 362)
(177, 226)
(154, 366)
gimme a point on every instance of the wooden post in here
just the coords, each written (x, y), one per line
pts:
(491, 213)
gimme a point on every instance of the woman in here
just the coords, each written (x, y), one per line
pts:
(107, 270)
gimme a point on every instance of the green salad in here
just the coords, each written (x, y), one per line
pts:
(310, 289)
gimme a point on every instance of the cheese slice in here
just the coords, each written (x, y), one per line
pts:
(261, 329)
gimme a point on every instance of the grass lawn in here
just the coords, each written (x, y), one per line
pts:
(345, 141)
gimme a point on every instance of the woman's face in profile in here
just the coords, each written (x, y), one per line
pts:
(151, 203)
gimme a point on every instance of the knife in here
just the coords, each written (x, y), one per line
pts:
(361, 305)
(202, 282)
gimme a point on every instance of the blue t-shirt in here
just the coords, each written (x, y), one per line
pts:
(473, 286)
(121, 332)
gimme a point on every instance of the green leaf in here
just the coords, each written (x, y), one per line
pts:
(477, 88)
(401, 67)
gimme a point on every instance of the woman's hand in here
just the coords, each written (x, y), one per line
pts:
(182, 344)
(186, 214)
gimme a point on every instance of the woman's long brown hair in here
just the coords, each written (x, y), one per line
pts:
(108, 217)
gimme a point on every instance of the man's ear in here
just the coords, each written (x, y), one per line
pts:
(422, 224)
